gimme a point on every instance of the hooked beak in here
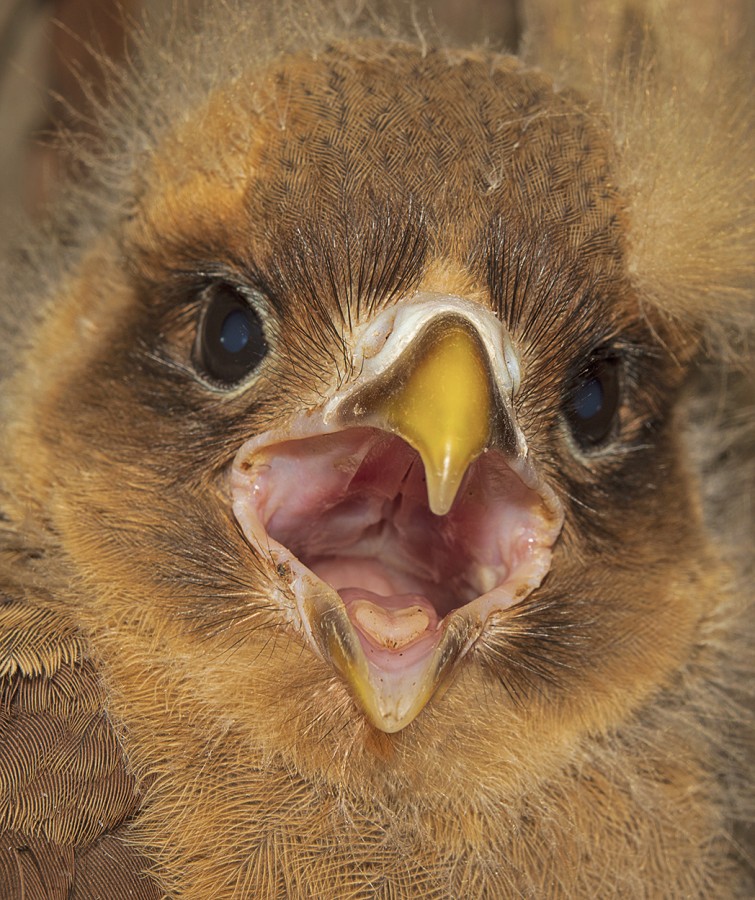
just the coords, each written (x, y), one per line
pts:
(438, 397)
(404, 509)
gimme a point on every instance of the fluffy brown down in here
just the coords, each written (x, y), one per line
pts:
(162, 731)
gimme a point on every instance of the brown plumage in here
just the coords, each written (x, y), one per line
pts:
(187, 711)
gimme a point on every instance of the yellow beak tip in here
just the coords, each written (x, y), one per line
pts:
(443, 484)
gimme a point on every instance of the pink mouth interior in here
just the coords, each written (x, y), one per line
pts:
(352, 507)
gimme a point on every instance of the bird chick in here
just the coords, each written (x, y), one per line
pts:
(357, 521)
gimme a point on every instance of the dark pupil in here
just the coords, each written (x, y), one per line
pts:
(232, 340)
(589, 400)
(235, 331)
(593, 403)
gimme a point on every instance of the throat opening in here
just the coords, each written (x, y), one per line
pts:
(352, 507)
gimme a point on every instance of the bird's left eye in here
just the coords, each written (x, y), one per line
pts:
(592, 402)
(231, 340)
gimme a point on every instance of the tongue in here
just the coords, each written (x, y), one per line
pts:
(389, 623)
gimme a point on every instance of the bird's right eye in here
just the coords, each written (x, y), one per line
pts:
(231, 338)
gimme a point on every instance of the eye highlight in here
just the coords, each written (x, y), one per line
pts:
(592, 402)
(231, 339)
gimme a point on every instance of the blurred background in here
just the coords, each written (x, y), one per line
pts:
(45, 56)
(49, 49)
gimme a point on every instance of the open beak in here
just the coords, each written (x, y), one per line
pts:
(404, 510)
